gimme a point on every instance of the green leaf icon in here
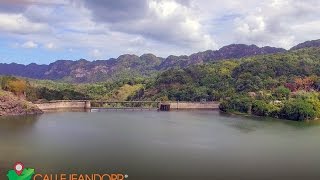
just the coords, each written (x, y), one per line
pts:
(25, 175)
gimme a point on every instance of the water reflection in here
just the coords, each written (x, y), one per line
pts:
(248, 123)
(66, 110)
(17, 123)
(162, 145)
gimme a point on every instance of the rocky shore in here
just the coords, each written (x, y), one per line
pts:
(12, 105)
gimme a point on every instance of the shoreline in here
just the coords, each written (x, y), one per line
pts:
(11, 105)
(235, 113)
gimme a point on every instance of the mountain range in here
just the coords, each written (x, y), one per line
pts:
(127, 65)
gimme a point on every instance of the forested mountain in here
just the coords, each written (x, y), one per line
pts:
(86, 71)
(233, 51)
(127, 65)
(307, 44)
(218, 80)
(284, 85)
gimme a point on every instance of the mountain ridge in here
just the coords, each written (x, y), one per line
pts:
(307, 44)
(82, 70)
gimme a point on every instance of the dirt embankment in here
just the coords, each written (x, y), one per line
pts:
(12, 105)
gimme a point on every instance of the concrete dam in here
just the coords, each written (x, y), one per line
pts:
(93, 104)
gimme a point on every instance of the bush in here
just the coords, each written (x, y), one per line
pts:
(262, 108)
(18, 87)
(240, 104)
(299, 110)
(12, 84)
(282, 93)
(31, 94)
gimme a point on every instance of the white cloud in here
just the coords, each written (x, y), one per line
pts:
(164, 9)
(163, 27)
(29, 45)
(167, 22)
(96, 53)
(50, 46)
(251, 24)
(17, 23)
(279, 23)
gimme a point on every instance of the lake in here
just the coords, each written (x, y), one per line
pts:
(162, 145)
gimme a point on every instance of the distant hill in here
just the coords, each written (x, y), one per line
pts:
(307, 44)
(233, 51)
(127, 65)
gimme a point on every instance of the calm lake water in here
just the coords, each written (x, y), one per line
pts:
(162, 145)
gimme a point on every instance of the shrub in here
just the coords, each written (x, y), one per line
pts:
(298, 109)
(282, 93)
(262, 108)
(239, 103)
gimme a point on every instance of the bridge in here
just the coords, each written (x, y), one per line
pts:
(127, 105)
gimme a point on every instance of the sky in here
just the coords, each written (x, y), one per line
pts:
(42, 31)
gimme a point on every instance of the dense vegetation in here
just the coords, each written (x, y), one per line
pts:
(46, 90)
(282, 85)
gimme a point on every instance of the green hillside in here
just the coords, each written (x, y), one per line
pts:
(284, 85)
(281, 85)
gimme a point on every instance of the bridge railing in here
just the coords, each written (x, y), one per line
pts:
(106, 101)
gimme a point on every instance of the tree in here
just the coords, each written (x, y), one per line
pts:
(5, 80)
(237, 103)
(299, 110)
(246, 82)
(261, 108)
(304, 83)
(282, 93)
(31, 94)
(18, 86)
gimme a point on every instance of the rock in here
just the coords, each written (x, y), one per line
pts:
(12, 105)
(252, 94)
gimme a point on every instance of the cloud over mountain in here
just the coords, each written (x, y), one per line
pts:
(162, 27)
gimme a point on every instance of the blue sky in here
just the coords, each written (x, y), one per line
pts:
(43, 31)
(11, 52)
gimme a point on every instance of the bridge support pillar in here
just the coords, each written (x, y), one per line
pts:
(87, 105)
(164, 107)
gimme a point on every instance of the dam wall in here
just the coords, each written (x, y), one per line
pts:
(85, 104)
(193, 105)
(64, 104)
